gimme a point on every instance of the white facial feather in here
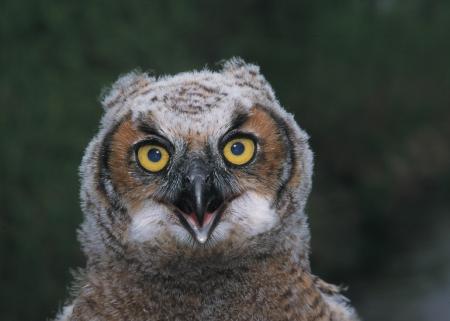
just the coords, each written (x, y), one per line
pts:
(250, 213)
(148, 222)
(253, 213)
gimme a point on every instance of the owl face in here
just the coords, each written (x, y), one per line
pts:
(190, 178)
(203, 160)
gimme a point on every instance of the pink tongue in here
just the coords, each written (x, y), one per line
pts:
(192, 218)
(208, 218)
(194, 221)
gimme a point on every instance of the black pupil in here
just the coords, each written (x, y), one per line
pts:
(237, 148)
(154, 155)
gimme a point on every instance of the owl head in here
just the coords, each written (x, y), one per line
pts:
(202, 164)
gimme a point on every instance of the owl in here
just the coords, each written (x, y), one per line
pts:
(193, 193)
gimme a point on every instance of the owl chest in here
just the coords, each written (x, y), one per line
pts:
(223, 298)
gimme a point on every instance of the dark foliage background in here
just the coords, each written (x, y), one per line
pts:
(369, 80)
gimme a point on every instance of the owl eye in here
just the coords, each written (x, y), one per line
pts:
(153, 158)
(239, 151)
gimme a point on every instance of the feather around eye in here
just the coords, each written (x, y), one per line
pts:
(153, 158)
(239, 151)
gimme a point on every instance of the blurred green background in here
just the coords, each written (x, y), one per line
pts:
(369, 80)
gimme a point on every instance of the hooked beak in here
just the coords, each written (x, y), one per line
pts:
(199, 206)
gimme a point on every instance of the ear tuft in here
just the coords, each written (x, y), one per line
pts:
(237, 67)
(248, 75)
(127, 85)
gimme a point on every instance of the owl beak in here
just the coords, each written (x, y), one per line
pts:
(200, 206)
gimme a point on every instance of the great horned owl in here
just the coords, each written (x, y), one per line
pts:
(193, 193)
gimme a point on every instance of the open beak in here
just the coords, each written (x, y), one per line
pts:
(199, 206)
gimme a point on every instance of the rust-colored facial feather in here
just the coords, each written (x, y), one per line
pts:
(261, 175)
(271, 153)
(122, 164)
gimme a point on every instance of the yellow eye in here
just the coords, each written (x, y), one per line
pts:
(153, 157)
(239, 151)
